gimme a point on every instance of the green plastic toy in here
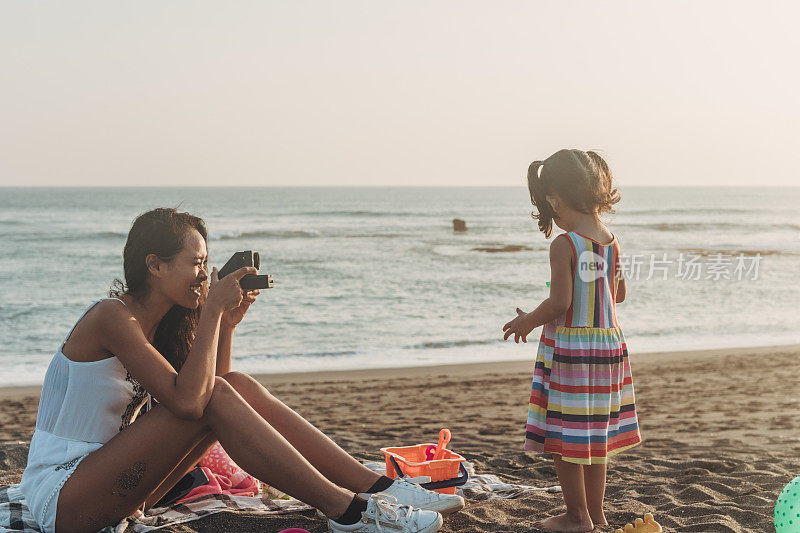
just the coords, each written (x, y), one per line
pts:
(787, 508)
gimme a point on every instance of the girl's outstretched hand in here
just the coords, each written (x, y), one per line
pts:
(520, 327)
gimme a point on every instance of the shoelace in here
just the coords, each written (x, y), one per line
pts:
(416, 480)
(414, 483)
(387, 508)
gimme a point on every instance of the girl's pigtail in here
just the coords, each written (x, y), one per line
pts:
(608, 195)
(538, 190)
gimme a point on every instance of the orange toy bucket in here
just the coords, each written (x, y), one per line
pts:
(443, 466)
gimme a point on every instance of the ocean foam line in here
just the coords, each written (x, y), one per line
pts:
(705, 226)
(277, 234)
(451, 344)
(65, 235)
(686, 210)
(357, 213)
(705, 252)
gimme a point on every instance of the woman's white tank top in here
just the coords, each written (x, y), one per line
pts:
(87, 402)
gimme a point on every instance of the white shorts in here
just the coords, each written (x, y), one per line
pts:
(51, 460)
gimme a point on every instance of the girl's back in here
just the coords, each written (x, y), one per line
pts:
(596, 276)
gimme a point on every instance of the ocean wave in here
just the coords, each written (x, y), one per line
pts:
(212, 235)
(449, 344)
(358, 213)
(705, 226)
(505, 248)
(13, 315)
(338, 353)
(705, 252)
(66, 235)
(111, 234)
(685, 210)
(346, 353)
(452, 249)
(274, 234)
(375, 235)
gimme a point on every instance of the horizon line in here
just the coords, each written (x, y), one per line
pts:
(368, 186)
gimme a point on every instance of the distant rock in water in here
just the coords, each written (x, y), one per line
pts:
(459, 225)
(506, 248)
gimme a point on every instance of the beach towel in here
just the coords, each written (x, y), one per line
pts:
(15, 517)
(224, 476)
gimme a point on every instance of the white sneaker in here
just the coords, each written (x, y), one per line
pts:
(384, 512)
(408, 493)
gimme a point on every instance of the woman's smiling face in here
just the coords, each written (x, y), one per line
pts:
(184, 279)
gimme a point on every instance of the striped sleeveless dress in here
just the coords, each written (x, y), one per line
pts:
(582, 401)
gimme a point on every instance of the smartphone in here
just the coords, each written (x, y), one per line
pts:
(193, 479)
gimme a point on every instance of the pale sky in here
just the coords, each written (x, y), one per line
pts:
(373, 92)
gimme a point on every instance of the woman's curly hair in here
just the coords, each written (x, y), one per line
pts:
(581, 179)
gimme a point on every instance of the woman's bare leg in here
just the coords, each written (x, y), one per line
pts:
(188, 463)
(326, 456)
(115, 480)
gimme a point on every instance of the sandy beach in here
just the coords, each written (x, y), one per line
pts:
(721, 432)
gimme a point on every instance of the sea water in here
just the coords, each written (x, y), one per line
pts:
(376, 277)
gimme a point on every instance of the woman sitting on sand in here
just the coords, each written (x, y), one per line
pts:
(93, 462)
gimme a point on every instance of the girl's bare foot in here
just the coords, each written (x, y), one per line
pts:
(564, 523)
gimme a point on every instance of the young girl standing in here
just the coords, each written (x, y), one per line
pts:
(582, 401)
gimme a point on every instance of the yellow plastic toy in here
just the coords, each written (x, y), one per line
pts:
(648, 525)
